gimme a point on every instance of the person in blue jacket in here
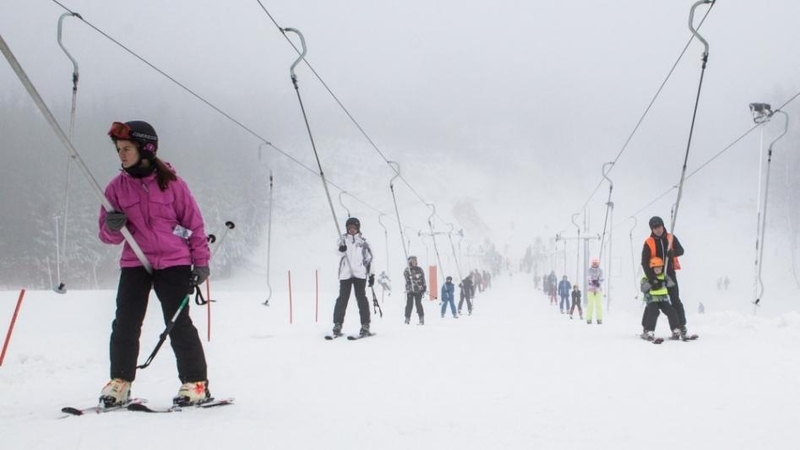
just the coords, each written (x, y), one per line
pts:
(448, 297)
(564, 287)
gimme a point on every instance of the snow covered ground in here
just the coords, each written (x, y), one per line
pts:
(515, 375)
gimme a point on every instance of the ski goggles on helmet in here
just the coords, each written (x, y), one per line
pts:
(120, 130)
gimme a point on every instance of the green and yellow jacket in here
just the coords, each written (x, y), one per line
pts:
(659, 292)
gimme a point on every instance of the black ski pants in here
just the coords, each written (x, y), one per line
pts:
(464, 296)
(345, 286)
(171, 285)
(412, 299)
(651, 312)
(576, 304)
(675, 299)
(677, 305)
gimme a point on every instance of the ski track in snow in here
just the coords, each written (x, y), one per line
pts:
(516, 374)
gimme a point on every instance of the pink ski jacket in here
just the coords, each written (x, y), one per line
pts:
(158, 221)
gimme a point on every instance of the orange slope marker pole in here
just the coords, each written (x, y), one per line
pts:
(433, 283)
(11, 326)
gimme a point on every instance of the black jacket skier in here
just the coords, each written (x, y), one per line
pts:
(415, 287)
(467, 293)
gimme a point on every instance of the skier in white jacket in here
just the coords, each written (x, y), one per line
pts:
(354, 272)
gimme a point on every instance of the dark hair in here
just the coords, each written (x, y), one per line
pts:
(163, 174)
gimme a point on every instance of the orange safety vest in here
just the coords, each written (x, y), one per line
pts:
(651, 242)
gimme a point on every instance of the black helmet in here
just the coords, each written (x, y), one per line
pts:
(656, 222)
(139, 132)
(353, 221)
(449, 279)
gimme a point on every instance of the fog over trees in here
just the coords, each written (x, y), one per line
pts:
(504, 131)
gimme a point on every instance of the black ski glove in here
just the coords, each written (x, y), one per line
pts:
(342, 248)
(670, 253)
(200, 274)
(371, 280)
(657, 284)
(115, 220)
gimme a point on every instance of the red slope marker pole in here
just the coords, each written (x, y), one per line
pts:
(11, 327)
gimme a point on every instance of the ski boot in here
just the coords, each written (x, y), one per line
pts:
(686, 336)
(337, 329)
(116, 392)
(648, 336)
(192, 393)
(676, 334)
(408, 320)
(599, 322)
(364, 331)
(421, 320)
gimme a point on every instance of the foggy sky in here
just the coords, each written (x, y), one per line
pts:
(513, 104)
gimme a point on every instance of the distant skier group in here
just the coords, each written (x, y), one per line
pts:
(659, 285)
(355, 274)
(566, 291)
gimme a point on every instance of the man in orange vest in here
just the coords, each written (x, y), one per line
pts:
(667, 247)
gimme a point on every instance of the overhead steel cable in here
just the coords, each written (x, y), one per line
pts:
(647, 109)
(712, 159)
(346, 256)
(341, 105)
(48, 115)
(694, 118)
(694, 172)
(208, 103)
(753, 128)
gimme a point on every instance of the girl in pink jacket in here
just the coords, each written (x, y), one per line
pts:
(164, 220)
